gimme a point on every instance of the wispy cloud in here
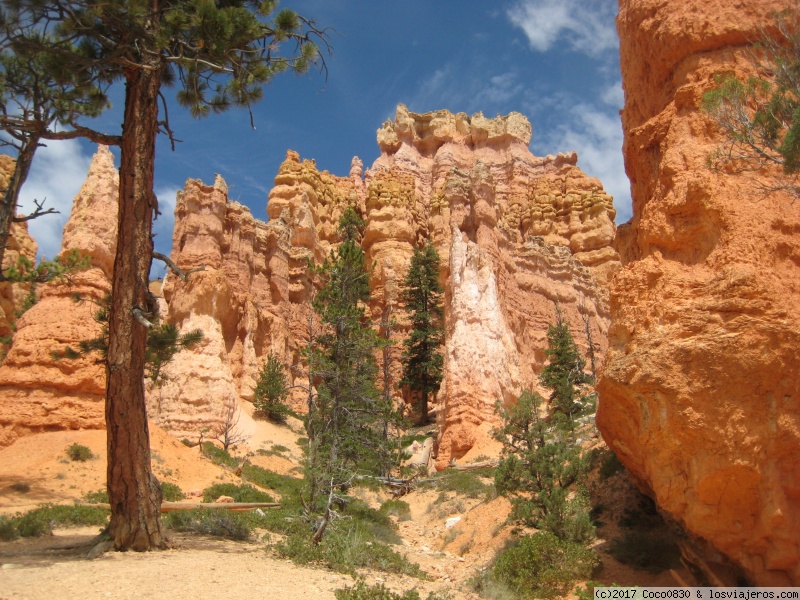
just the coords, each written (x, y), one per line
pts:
(586, 26)
(57, 174)
(452, 87)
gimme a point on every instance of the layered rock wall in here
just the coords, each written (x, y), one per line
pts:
(37, 391)
(516, 234)
(700, 398)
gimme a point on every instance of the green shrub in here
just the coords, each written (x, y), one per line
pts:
(40, 521)
(397, 508)
(216, 522)
(240, 493)
(283, 484)
(219, 456)
(8, 529)
(362, 591)
(465, 483)
(347, 546)
(171, 492)
(77, 452)
(542, 566)
(98, 497)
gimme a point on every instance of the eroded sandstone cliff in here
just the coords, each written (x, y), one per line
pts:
(700, 395)
(516, 234)
(37, 391)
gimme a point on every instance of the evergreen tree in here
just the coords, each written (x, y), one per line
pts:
(221, 54)
(539, 469)
(271, 391)
(346, 435)
(422, 358)
(564, 372)
(39, 100)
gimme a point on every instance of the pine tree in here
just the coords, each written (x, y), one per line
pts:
(760, 117)
(539, 468)
(564, 372)
(39, 100)
(271, 391)
(346, 435)
(422, 358)
(220, 54)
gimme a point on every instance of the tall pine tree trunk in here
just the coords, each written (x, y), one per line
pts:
(134, 493)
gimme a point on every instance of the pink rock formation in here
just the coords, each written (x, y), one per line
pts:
(516, 233)
(699, 396)
(37, 392)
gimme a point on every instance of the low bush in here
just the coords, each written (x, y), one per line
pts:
(283, 484)
(219, 456)
(171, 492)
(240, 493)
(98, 497)
(41, 520)
(466, 483)
(396, 508)
(540, 566)
(77, 452)
(21, 487)
(8, 530)
(215, 522)
(348, 545)
(362, 591)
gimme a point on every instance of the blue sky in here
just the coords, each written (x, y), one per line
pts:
(555, 61)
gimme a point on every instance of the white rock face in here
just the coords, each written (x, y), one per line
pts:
(481, 360)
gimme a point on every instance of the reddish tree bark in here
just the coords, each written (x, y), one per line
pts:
(134, 493)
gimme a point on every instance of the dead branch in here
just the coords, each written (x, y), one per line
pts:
(40, 211)
(184, 275)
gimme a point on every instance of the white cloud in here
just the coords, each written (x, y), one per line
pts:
(596, 134)
(587, 26)
(454, 88)
(57, 174)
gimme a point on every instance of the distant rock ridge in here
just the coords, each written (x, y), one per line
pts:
(700, 398)
(516, 234)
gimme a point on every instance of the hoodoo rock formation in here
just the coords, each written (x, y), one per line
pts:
(700, 397)
(516, 234)
(37, 391)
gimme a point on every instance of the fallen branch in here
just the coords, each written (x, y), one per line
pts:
(167, 507)
(473, 466)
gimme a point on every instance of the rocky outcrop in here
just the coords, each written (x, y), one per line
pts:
(699, 398)
(37, 391)
(516, 234)
(20, 244)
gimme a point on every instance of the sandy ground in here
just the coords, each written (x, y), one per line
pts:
(195, 566)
